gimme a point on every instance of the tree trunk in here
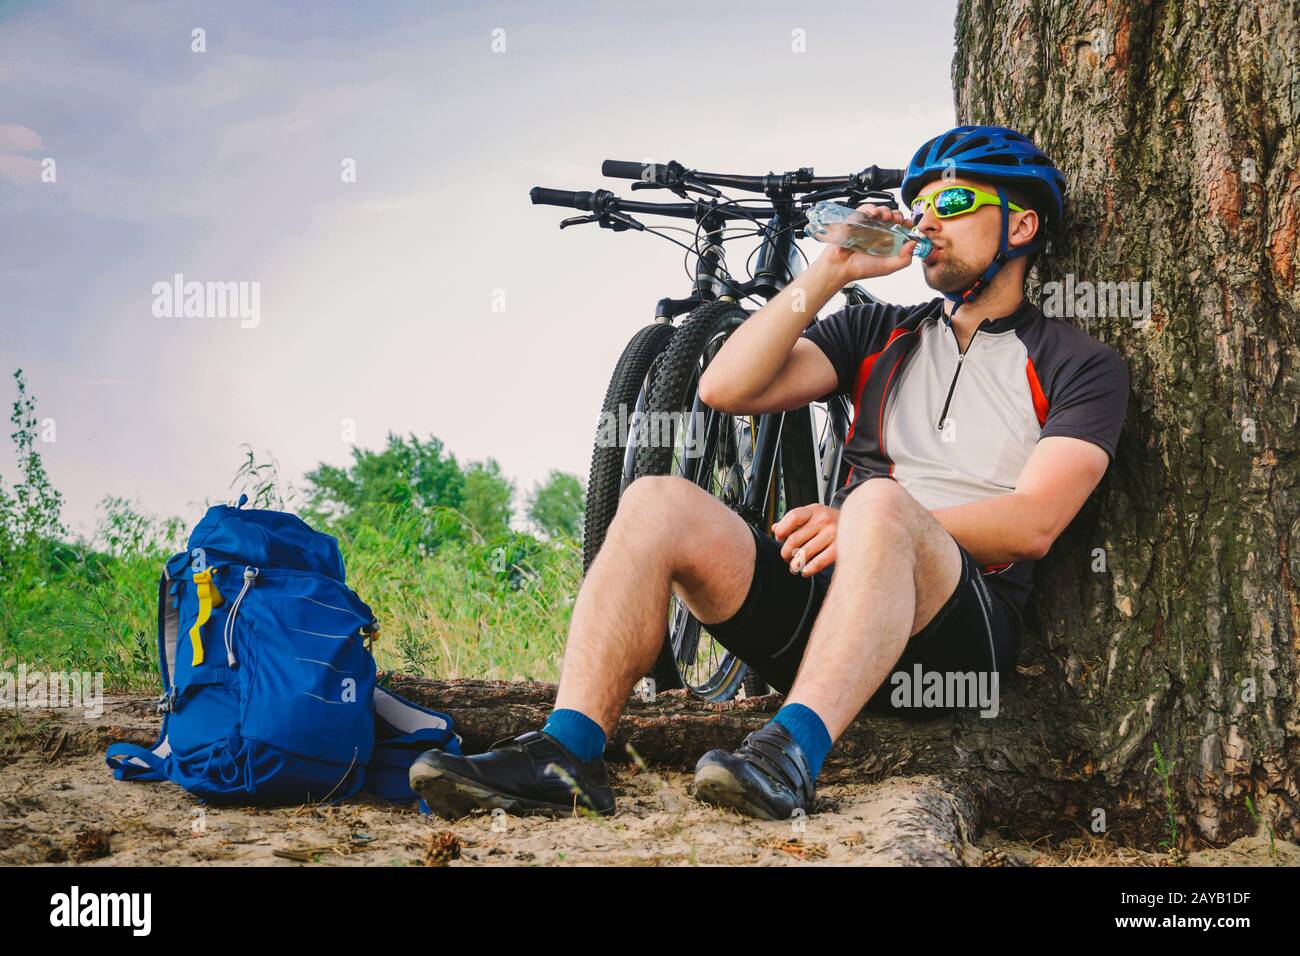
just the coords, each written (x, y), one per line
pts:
(1168, 612)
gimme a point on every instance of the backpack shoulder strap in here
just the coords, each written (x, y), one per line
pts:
(403, 731)
(129, 761)
(404, 717)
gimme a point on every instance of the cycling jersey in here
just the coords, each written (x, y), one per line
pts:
(954, 427)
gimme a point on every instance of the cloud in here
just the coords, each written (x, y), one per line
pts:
(19, 139)
(14, 139)
(23, 169)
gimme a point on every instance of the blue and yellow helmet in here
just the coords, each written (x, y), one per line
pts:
(994, 153)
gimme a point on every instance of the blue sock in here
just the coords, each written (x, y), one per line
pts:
(578, 732)
(808, 732)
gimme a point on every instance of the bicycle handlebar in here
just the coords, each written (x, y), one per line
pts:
(605, 206)
(873, 177)
(790, 195)
(603, 201)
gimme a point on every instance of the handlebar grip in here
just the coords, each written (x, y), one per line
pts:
(541, 196)
(620, 169)
(890, 178)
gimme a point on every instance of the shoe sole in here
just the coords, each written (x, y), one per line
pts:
(717, 785)
(451, 796)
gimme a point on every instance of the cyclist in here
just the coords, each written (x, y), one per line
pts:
(991, 424)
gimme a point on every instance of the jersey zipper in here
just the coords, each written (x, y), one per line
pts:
(952, 387)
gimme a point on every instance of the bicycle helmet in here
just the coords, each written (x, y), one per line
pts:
(1000, 156)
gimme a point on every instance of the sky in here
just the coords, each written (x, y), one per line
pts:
(364, 169)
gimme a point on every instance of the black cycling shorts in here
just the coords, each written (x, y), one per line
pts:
(975, 630)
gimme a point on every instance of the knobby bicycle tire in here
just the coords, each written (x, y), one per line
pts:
(605, 479)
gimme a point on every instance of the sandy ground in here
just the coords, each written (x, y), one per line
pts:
(59, 804)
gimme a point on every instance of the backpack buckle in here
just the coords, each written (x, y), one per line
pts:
(166, 703)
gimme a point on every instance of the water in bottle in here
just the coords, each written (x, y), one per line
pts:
(831, 222)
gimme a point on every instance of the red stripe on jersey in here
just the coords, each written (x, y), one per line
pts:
(1036, 392)
(860, 381)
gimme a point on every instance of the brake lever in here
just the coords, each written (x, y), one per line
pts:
(690, 182)
(617, 221)
(832, 192)
(880, 198)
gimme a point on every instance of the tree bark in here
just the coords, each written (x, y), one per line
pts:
(1168, 612)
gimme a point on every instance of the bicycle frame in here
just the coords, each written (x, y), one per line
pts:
(778, 263)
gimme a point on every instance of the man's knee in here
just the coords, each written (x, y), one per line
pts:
(708, 550)
(657, 503)
(881, 503)
(882, 508)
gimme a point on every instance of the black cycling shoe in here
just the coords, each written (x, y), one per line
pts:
(767, 777)
(518, 775)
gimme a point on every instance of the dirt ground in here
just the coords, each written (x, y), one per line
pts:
(59, 804)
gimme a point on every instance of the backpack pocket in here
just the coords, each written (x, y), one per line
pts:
(308, 674)
(241, 770)
(205, 709)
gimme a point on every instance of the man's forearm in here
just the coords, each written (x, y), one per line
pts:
(996, 530)
(754, 353)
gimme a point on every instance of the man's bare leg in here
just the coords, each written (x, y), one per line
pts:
(667, 535)
(893, 573)
(895, 568)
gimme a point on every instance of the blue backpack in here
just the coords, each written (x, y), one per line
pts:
(269, 685)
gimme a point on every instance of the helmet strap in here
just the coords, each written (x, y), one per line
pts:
(1004, 255)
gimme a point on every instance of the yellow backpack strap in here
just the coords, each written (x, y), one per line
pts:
(209, 597)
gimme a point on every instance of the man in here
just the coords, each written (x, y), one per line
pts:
(991, 423)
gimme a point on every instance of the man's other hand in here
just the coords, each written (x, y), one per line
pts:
(808, 534)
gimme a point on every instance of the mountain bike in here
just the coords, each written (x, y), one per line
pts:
(652, 421)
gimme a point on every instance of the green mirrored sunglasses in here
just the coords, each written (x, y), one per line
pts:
(956, 201)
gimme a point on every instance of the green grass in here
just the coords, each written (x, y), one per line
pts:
(71, 607)
(469, 609)
(453, 599)
(77, 606)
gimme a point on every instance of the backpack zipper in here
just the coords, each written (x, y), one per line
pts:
(952, 387)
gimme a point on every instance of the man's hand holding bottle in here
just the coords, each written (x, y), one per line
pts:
(854, 264)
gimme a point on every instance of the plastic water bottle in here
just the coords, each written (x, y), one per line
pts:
(862, 232)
